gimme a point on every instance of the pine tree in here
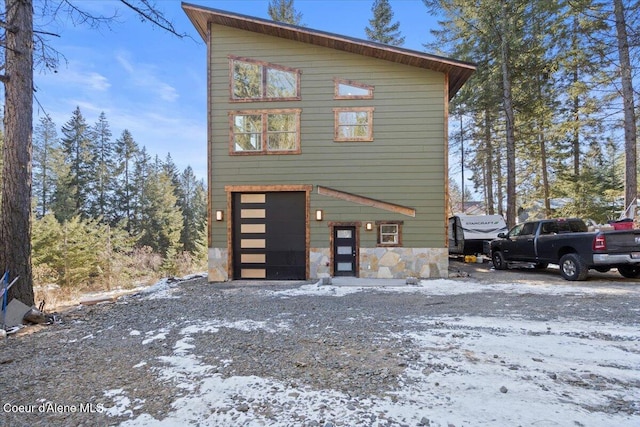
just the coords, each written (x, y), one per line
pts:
(102, 164)
(381, 29)
(284, 11)
(138, 198)
(628, 102)
(160, 217)
(126, 151)
(45, 151)
(70, 248)
(193, 204)
(17, 77)
(78, 151)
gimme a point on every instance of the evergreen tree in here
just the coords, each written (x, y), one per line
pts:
(102, 164)
(126, 151)
(284, 11)
(193, 204)
(172, 171)
(70, 248)
(17, 77)
(138, 198)
(160, 217)
(78, 151)
(45, 150)
(381, 29)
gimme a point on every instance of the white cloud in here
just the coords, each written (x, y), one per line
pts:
(74, 76)
(144, 76)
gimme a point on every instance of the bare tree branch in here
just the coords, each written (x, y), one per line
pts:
(149, 12)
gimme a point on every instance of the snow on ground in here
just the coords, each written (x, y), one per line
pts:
(347, 286)
(164, 288)
(472, 371)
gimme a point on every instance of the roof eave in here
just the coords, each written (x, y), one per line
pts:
(458, 71)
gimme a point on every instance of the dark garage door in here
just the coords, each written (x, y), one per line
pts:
(269, 236)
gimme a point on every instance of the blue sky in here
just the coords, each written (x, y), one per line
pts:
(154, 84)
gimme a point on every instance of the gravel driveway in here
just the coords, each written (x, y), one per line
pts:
(492, 348)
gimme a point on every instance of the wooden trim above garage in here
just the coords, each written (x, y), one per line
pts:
(266, 188)
(366, 201)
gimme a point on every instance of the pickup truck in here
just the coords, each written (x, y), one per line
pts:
(569, 244)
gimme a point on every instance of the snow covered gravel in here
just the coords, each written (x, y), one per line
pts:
(492, 349)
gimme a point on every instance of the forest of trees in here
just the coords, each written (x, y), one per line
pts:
(106, 211)
(550, 112)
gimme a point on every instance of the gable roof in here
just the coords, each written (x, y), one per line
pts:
(458, 71)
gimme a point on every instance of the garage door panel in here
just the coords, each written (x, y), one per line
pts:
(269, 235)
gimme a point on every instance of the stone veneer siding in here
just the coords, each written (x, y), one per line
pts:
(388, 263)
(218, 265)
(375, 263)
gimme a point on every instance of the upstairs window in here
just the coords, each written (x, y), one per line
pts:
(260, 81)
(348, 89)
(353, 124)
(265, 132)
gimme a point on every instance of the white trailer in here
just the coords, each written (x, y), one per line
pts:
(468, 233)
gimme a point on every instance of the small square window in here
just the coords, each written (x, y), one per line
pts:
(389, 233)
(353, 124)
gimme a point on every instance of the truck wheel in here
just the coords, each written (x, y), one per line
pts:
(572, 268)
(499, 263)
(629, 271)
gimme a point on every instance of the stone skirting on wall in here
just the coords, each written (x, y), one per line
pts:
(388, 263)
(218, 265)
(319, 263)
(375, 263)
(400, 263)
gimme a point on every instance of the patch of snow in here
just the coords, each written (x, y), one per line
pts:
(121, 403)
(165, 288)
(456, 287)
(319, 290)
(469, 371)
(160, 336)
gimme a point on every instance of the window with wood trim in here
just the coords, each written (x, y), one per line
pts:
(389, 233)
(253, 80)
(353, 124)
(349, 89)
(265, 132)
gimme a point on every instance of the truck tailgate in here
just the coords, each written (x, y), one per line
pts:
(624, 241)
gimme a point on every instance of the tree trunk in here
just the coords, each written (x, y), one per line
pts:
(488, 146)
(630, 137)
(15, 213)
(509, 116)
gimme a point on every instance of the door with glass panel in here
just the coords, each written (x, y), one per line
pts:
(344, 251)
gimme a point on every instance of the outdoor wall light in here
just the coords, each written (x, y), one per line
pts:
(219, 215)
(368, 226)
(319, 214)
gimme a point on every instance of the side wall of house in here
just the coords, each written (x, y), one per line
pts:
(405, 164)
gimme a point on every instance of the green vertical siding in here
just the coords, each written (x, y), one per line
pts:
(405, 164)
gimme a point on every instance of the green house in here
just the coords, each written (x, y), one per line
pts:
(327, 155)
